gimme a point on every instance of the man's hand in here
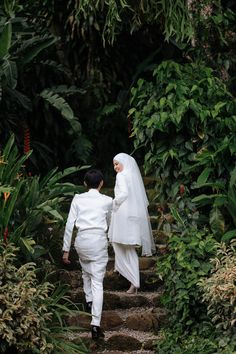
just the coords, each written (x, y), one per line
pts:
(65, 258)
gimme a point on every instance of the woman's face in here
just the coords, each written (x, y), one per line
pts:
(118, 167)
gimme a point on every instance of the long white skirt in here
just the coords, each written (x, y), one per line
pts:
(127, 262)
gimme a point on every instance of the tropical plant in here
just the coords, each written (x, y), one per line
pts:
(219, 289)
(204, 340)
(178, 343)
(185, 121)
(28, 203)
(97, 41)
(32, 314)
(222, 215)
(36, 92)
(109, 18)
(181, 268)
(214, 36)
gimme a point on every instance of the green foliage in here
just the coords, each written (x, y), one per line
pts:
(174, 343)
(5, 39)
(186, 262)
(231, 197)
(63, 107)
(214, 36)
(174, 19)
(32, 313)
(31, 203)
(23, 86)
(219, 289)
(24, 313)
(185, 121)
(202, 341)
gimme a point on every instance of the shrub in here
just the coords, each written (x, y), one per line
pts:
(219, 289)
(23, 310)
(203, 340)
(184, 118)
(181, 270)
(32, 314)
(30, 204)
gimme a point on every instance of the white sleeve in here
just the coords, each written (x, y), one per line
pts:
(69, 226)
(109, 213)
(122, 188)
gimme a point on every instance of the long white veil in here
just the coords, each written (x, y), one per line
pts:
(138, 200)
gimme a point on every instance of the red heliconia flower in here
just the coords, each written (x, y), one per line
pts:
(26, 140)
(5, 235)
(181, 189)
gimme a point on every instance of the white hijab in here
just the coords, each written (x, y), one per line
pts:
(131, 170)
(139, 199)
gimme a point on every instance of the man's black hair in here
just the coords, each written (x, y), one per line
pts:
(93, 178)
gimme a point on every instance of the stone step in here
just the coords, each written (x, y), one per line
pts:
(154, 222)
(120, 299)
(144, 263)
(144, 319)
(160, 240)
(121, 340)
(149, 280)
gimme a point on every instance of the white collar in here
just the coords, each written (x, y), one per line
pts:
(93, 190)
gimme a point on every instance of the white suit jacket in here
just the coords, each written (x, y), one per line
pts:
(89, 211)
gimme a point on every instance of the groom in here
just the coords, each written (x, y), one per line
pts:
(90, 213)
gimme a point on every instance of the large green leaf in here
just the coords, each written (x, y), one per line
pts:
(51, 179)
(205, 199)
(32, 47)
(48, 210)
(5, 39)
(9, 73)
(231, 204)
(232, 177)
(204, 176)
(228, 236)
(63, 107)
(217, 222)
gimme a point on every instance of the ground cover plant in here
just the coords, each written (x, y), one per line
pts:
(32, 313)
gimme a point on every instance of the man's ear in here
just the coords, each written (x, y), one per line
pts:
(100, 184)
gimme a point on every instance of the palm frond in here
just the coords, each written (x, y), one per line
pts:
(63, 107)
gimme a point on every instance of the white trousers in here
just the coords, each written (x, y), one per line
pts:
(91, 247)
(127, 262)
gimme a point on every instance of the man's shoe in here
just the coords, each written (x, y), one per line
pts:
(88, 307)
(96, 332)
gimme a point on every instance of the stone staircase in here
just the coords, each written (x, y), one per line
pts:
(131, 323)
